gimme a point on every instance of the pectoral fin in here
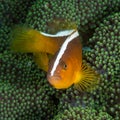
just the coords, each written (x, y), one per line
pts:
(89, 78)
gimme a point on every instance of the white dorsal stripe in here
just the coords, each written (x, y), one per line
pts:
(59, 34)
(62, 50)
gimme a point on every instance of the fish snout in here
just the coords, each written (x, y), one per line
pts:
(53, 80)
(54, 77)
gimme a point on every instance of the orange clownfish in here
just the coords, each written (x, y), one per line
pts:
(66, 67)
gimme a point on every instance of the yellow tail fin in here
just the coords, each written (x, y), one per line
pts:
(89, 78)
(28, 40)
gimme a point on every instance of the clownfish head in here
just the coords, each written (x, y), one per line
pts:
(62, 76)
(62, 71)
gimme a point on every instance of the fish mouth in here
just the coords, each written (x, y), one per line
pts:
(55, 77)
(56, 81)
(53, 80)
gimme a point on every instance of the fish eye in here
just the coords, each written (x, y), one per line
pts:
(63, 65)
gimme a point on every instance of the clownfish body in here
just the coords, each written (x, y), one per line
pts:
(42, 45)
(66, 67)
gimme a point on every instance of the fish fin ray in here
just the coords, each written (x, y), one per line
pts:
(89, 79)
